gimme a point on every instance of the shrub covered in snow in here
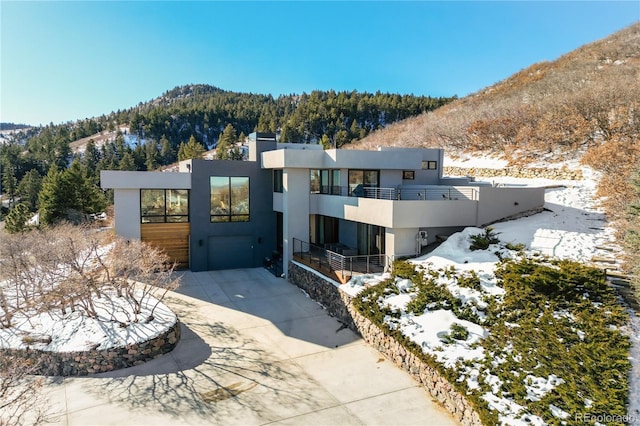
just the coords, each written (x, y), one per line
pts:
(528, 341)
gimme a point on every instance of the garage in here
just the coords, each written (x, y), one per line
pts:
(230, 252)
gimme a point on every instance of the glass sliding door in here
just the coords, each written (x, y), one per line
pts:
(370, 239)
(360, 179)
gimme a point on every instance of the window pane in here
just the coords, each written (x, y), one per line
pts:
(152, 202)
(220, 218)
(177, 219)
(371, 178)
(277, 180)
(335, 177)
(240, 195)
(240, 218)
(314, 176)
(356, 177)
(335, 182)
(324, 181)
(219, 195)
(152, 219)
(177, 202)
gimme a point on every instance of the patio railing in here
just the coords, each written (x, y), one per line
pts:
(322, 259)
(432, 192)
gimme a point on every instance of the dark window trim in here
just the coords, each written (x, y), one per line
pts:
(328, 186)
(278, 180)
(377, 185)
(230, 216)
(408, 175)
(430, 165)
(165, 216)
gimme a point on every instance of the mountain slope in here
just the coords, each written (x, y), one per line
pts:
(583, 98)
(204, 111)
(583, 106)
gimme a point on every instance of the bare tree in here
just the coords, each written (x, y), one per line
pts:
(21, 401)
(70, 269)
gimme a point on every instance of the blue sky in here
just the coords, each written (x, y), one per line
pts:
(63, 61)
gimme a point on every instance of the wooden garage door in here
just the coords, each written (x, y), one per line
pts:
(173, 238)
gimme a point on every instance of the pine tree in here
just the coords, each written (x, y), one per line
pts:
(191, 150)
(325, 141)
(9, 182)
(167, 153)
(91, 157)
(53, 198)
(127, 162)
(29, 188)
(85, 195)
(227, 140)
(152, 155)
(16, 220)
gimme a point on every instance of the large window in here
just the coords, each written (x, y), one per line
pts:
(229, 199)
(277, 180)
(325, 181)
(360, 179)
(164, 205)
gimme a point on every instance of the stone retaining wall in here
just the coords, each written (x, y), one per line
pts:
(518, 172)
(323, 291)
(97, 361)
(338, 303)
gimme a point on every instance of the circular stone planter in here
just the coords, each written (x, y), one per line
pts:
(81, 363)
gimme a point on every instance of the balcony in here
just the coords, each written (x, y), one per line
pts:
(336, 265)
(412, 192)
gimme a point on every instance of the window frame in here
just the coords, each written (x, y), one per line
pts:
(230, 216)
(165, 217)
(278, 180)
(408, 175)
(353, 172)
(323, 181)
(430, 165)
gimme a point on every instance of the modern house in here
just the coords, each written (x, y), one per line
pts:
(358, 207)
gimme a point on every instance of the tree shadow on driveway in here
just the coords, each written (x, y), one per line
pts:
(214, 375)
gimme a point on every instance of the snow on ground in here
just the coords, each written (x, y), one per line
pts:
(571, 227)
(428, 330)
(358, 282)
(468, 161)
(118, 321)
(74, 332)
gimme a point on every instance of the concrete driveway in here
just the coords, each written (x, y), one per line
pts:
(255, 350)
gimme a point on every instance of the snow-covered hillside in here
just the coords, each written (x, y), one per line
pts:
(571, 227)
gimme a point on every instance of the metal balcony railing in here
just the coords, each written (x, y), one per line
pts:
(321, 258)
(433, 192)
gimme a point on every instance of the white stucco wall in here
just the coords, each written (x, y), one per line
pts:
(147, 180)
(127, 213)
(394, 213)
(390, 178)
(398, 159)
(434, 213)
(295, 213)
(498, 203)
(400, 241)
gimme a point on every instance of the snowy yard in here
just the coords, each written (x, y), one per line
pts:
(571, 228)
(69, 289)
